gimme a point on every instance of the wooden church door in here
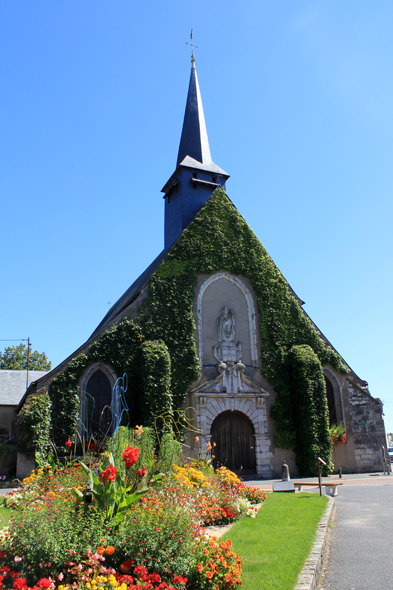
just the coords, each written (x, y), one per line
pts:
(233, 434)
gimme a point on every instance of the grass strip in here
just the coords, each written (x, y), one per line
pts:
(275, 545)
(5, 514)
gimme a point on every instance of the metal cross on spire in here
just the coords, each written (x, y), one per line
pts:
(192, 50)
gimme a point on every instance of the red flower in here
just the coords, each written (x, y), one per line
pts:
(180, 580)
(125, 566)
(130, 456)
(20, 583)
(155, 578)
(109, 473)
(68, 443)
(141, 472)
(44, 583)
(140, 571)
(2, 554)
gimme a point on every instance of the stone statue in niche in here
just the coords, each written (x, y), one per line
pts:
(227, 353)
(227, 350)
(226, 326)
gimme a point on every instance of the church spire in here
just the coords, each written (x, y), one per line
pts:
(194, 141)
(196, 176)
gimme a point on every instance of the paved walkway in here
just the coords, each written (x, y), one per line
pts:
(360, 554)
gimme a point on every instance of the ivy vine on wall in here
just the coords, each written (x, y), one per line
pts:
(219, 239)
(125, 350)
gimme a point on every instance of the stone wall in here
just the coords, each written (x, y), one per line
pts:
(368, 428)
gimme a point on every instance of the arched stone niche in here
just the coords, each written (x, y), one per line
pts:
(335, 397)
(220, 290)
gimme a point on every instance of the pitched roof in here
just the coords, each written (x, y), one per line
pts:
(13, 385)
(127, 297)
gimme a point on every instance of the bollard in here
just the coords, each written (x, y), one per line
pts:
(340, 472)
(285, 472)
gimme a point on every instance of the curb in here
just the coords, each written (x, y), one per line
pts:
(309, 576)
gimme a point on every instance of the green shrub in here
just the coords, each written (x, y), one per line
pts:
(36, 426)
(169, 452)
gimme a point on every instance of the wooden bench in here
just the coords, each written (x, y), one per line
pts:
(328, 485)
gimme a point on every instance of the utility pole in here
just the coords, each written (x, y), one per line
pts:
(28, 358)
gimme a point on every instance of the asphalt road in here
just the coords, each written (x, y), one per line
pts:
(361, 547)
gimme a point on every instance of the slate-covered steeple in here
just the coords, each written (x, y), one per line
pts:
(196, 176)
(194, 141)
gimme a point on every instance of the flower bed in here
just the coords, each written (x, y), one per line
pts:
(131, 536)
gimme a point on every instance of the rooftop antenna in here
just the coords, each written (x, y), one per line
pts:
(192, 50)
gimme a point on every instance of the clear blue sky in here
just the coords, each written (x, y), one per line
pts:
(298, 100)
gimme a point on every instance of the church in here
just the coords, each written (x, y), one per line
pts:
(212, 329)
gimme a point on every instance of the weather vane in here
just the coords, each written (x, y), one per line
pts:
(192, 50)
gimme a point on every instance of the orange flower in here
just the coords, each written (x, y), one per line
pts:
(209, 575)
(100, 550)
(199, 567)
(205, 551)
(110, 550)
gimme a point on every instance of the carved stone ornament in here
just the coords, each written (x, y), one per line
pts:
(228, 354)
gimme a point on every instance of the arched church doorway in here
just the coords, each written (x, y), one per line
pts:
(331, 402)
(233, 434)
(99, 398)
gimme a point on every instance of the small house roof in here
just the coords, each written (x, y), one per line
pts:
(13, 385)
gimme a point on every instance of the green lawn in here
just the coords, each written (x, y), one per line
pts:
(275, 545)
(5, 514)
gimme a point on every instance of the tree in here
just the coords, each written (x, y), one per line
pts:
(15, 357)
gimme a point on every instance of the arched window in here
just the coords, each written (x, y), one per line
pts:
(98, 402)
(331, 402)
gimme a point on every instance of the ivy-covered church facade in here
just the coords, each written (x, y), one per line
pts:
(213, 338)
